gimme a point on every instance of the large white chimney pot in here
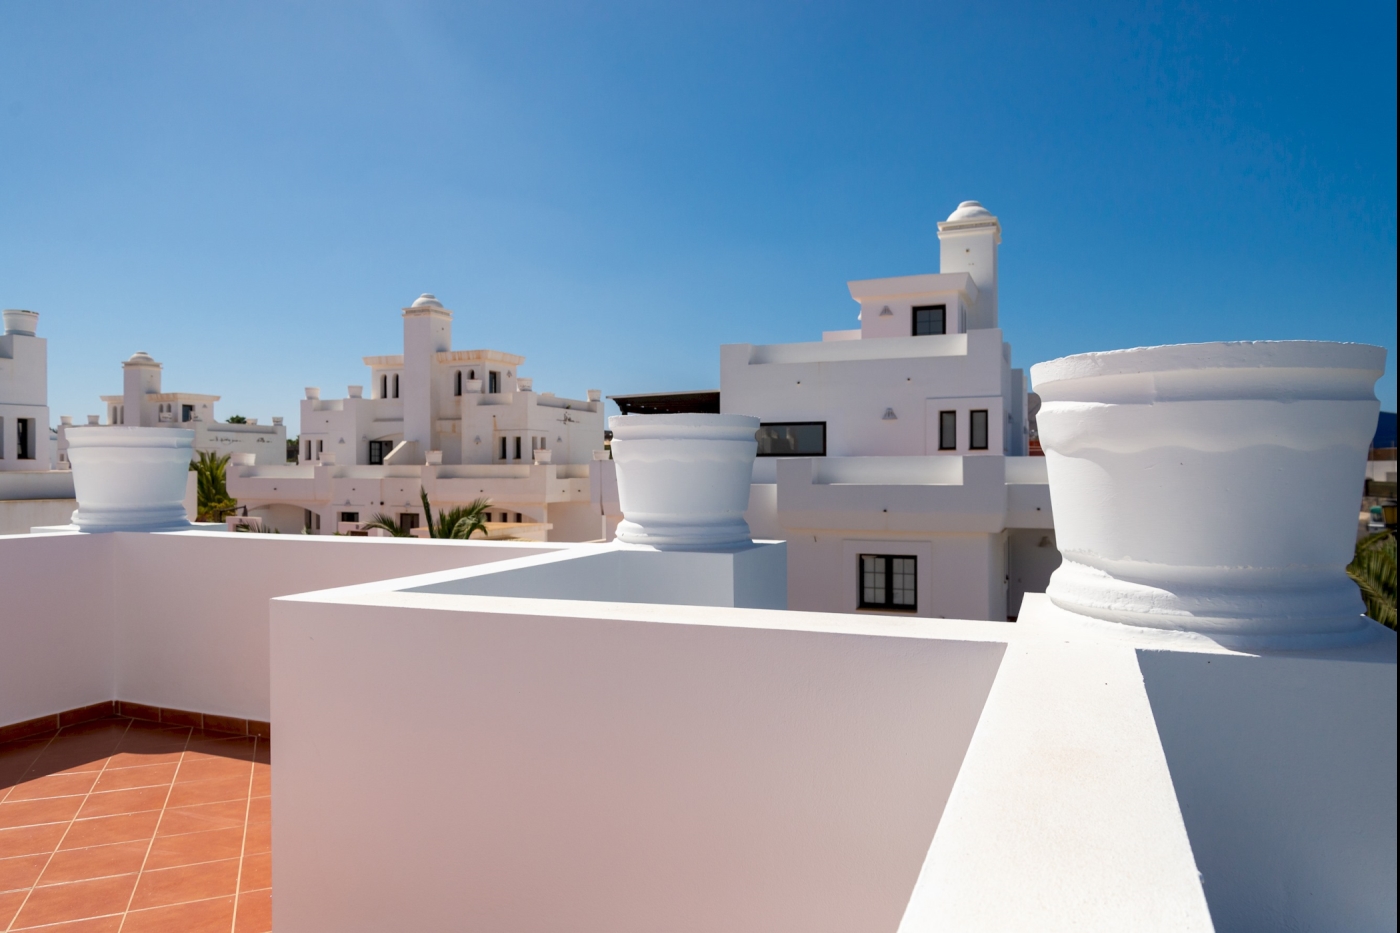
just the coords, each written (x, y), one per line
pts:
(683, 480)
(130, 479)
(1211, 488)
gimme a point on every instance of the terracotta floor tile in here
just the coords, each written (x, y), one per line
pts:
(119, 858)
(34, 812)
(239, 747)
(106, 829)
(9, 905)
(197, 767)
(28, 840)
(76, 901)
(110, 924)
(134, 800)
(53, 785)
(205, 816)
(257, 872)
(142, 759)
(20, 872)
(187, 883)
(185, 794)
(189, 848)
(137, 776)
(262, 780)
(211, 916)
(254, 913)
(260, 810)
(258, 840)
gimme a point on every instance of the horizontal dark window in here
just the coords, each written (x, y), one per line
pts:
(792, 439)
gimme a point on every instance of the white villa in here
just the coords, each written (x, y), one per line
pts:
(893, 458)
(460, 424)
(24, 392)
(144, 404)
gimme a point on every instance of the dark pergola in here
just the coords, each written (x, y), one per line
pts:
(704, 401)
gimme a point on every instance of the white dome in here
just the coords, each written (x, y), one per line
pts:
(970, 210)
(426, 300)
(141, 357)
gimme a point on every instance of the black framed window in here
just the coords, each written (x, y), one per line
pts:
(978, 429)
(930, 319)
(947, 430)
(792, 439)
(186, 413)
(493, 382)
(457, 383)
(24, 438)
(349, 516)
(889, 581)
(378, 450)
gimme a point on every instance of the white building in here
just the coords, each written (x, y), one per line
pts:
(893, 457)
(24, 394)
(460, 424)
(144, 404)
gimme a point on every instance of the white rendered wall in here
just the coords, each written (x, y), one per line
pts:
(17, 516)
(56, 647)
(1285, 768)
(595, 767)
(23, 394)
(175, 620)
(850, 384)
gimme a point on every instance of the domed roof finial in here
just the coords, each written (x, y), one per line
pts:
(969, 210)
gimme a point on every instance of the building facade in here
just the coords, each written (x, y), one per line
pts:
(893, 457)
(144, 403)
(460, 424)
(24, 393)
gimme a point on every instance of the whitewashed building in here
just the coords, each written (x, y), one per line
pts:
(460, 424)
(893, 457)
(143, 403)
(24, 393)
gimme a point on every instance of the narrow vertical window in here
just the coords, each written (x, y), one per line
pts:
(517, 448)
(930, 319)
(947, 430)
(457, 383)
(978, 429)
(889, 581)
(396, 385)
(503, 448)
(24, 439)
(383, 386)
(493, 382)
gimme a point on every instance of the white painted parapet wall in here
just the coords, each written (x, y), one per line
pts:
(1211, 488)
(683, 480)
(130, 479)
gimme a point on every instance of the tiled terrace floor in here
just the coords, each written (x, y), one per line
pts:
(121, 826)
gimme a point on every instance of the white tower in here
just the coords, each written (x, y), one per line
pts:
(968, 243)
(427, 331)
(140, 378)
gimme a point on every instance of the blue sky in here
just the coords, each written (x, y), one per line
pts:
(251, 191)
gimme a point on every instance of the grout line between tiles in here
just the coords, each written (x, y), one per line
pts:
(30, 893)
(243, 846)
(155, 832)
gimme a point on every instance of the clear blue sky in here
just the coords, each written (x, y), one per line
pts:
(250, 191)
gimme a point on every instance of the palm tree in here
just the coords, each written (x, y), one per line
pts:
(214, 502)
(1373, 569)
(458, 523)
(386, 523)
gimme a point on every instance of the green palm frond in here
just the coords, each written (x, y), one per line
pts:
(386, 523)
(211, 486)
(459, 523)
(1373, 569)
